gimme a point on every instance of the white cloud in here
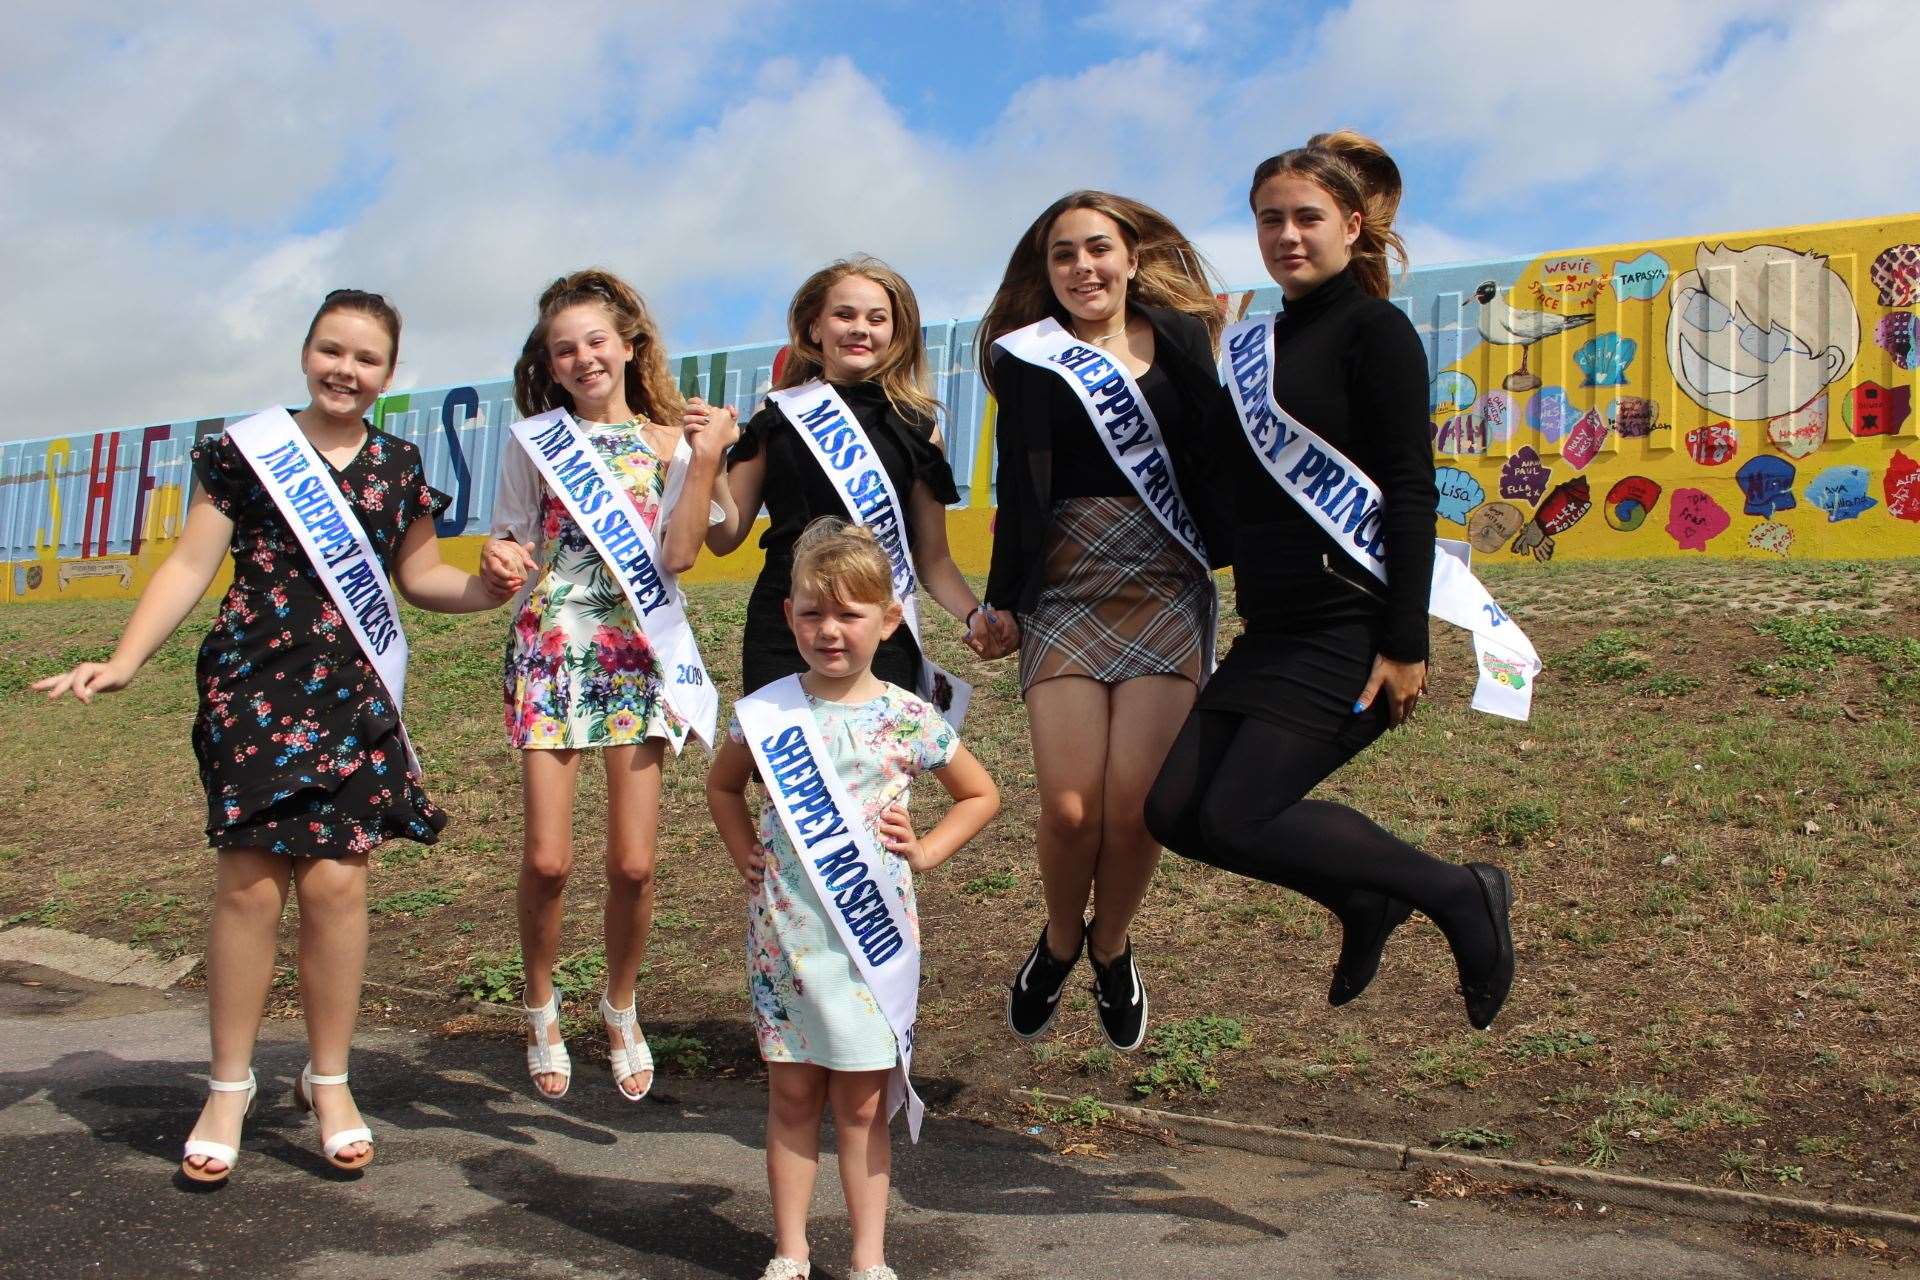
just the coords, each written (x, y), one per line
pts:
(180, 195)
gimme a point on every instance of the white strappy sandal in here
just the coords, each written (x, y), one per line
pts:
(544, 1058)
(218, 1150)
(627, 1062)
(331, 1145)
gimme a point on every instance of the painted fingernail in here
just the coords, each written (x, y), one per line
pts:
(1358, 707)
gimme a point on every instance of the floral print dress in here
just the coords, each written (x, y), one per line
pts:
(299, 746)
(810, 1003)
(579, 670)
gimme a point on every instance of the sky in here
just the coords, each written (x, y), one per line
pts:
(184, 182)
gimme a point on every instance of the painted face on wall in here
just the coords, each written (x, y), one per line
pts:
(1761, 332)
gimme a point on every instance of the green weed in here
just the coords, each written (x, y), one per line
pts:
(412, 902)
(1183, 1054)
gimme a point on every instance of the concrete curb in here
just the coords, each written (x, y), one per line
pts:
(94, 959)
(1720, 1204)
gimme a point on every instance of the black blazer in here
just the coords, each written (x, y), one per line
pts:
(1023, 477)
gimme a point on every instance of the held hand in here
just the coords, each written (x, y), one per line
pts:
(504, 566)
(710, 430)
(753, 869)
(896, 833)
(1006, 632)
(85, 680)
(979, 637)
(1403, 683)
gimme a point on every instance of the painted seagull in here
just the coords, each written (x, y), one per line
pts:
(1506, 325)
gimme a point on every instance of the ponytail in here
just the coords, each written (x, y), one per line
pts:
(1362, 178)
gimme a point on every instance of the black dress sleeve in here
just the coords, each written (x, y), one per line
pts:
(753, 434)
(223, 473)
(1388, 392)
(418, 498)
(927, 460)
(1007, 570)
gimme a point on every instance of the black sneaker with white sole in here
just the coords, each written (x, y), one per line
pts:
(1122, 998)
(1033, 997)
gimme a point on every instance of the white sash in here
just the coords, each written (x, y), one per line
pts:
(1124, 421)
(829, 834)
(329, 530)
(576, 475)
(1345, 503)
(841, 447)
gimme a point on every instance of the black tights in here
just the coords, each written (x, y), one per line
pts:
(1231, 794)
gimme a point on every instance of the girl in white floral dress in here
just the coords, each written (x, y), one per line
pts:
(820, 1029)
(580, 674)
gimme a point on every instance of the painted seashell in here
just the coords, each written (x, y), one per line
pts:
(1604, 359)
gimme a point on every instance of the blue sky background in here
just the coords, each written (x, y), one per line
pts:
(184, 184)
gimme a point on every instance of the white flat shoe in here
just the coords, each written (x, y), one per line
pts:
(332, 1145)
(627, 1061)
(543, 1058)
(218, 1150)
(787, 1269)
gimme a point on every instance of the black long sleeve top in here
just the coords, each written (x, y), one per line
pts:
(1351, 367)
(1036, 408)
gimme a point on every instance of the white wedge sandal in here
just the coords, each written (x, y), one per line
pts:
(331, 1145)
(543, 1058)
(627, 1062)
(219, 1150)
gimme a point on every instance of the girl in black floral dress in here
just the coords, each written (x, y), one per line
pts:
(300, 747)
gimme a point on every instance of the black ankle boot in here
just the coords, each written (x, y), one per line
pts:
(1362, 941)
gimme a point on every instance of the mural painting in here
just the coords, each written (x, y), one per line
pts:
(1729, 395)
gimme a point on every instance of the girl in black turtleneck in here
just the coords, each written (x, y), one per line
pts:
(857, 324)
(1330, 659)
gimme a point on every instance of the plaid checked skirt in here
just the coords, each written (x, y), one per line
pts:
(1122, 598)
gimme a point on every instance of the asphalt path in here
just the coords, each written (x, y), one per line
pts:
(477, 1179)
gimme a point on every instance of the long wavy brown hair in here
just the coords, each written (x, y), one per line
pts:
(1361, 177)
(902, 371)
(1171, 273)
(650, 388)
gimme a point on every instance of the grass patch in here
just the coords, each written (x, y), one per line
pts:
(1607, 658)
(1521, 821)
(991, 885)
(1699, 970)
(1184, 1053)
(683, 1054)
(412, 902)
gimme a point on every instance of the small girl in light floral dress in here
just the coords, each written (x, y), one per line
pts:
(820, 1029)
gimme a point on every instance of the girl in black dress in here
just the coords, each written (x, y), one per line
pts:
(300, 747)
(855, 323)
(1330, 660)
(1114, 613)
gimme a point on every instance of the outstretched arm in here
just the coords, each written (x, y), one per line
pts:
(737, 490)
(709, 432)
(428, 582)
(176, 586)
(933, 558)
